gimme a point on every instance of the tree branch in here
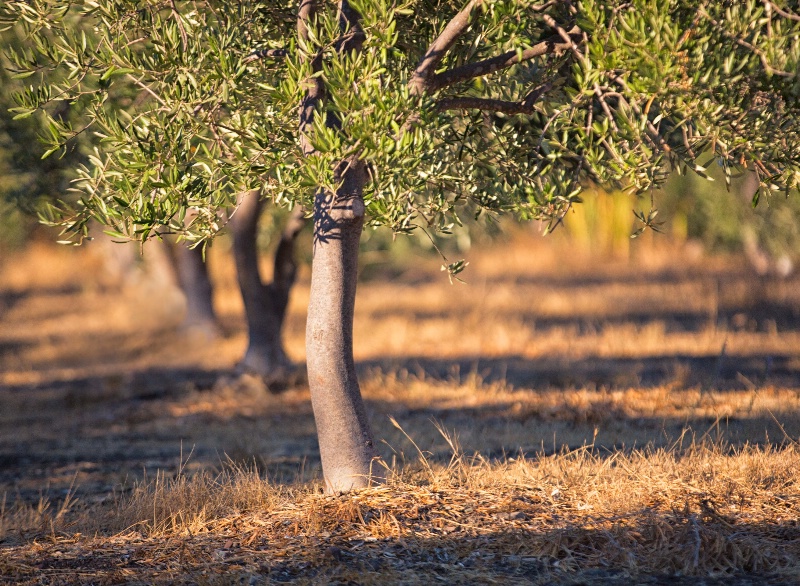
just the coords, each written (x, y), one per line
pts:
(352, 35)
(427, 65)
(266, 54)
(181, 28)
(653, 132)
(749, 46)
(315, 89)
(565, 36)
(485, 104)
(554, 44)
(493, 105)
(783, 13)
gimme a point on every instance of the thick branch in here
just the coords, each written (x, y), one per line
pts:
(315, 89)
(266, 54)
(493, 105)
(454, 29)
(353, 35)
(307, 11)
(486, 104)
(554, 44)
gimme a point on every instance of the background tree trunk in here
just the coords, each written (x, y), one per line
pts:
(345, 439)
(264, 304)
(191, 273)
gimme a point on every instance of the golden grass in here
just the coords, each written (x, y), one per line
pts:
(701, 509)
(564, 420)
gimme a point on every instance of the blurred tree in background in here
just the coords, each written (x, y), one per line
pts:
(723, 218)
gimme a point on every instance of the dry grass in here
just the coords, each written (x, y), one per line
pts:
(704, 510)
(575, 422)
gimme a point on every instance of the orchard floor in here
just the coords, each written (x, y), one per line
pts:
(560, 419)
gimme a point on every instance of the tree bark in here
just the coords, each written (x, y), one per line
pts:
(346, 446)
(345, 439)
(264, 304)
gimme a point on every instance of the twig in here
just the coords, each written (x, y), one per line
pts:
(742, 43)
(686, 142)
(784, 13)
(655, 134)
(602, 99)
(179, 22)
(146, 88)
(566, 36)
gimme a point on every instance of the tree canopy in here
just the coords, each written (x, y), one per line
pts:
(457, 108)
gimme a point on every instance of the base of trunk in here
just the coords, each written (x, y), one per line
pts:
(270, 364)
(203, 329)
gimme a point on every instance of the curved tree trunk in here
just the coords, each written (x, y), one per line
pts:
(345, 440)
(264, 304)
(346, 446)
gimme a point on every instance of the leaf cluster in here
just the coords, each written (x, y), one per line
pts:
(458, 108)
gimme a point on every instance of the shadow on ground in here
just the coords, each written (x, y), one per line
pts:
(101, 432)
(718, 372)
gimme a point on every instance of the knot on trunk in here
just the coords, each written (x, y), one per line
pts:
(345, 207)
(348, 210)
(335, 214)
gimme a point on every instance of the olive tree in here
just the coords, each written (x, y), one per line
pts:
(407, 114)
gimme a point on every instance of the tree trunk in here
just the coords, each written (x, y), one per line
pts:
(264, 304)
(758, 258)
(191, 273)
(345, 440)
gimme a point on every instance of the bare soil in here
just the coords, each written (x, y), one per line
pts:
(542, 354)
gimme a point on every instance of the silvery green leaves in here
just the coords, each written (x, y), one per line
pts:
(175, 104)
(458, 107)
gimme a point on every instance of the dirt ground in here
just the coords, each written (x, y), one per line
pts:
(540, 351)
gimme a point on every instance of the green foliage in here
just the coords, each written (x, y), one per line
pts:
(26, 180)
(192, 102)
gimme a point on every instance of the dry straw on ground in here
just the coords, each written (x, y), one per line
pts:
(701, 510)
